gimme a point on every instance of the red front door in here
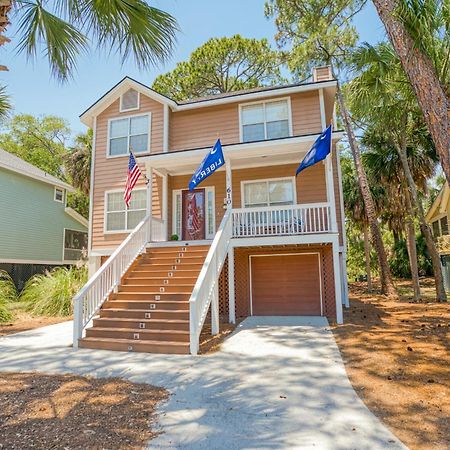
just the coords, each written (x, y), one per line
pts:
(193, 214)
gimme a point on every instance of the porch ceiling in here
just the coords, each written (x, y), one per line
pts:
(257, 154)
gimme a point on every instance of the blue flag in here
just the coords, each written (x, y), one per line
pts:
(318, 151)
(213, 160)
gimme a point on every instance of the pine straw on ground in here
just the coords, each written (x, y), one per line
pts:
(72, 412)
(396, 354)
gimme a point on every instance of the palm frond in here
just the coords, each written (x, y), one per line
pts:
(5, 104)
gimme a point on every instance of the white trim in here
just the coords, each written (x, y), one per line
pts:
(127, 154)
(286, 254)
(64, 243)
(56, 188)
(91, 186)
(130, 109)
(105, 206)
(268, 180)
(166, 129)
(176, 192)
(231, 289)
(319, 238)
(77, 216)
(127, 83)
(263, 102)
(37, 261)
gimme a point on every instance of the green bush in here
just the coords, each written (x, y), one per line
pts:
(8, 294)
(51, 294)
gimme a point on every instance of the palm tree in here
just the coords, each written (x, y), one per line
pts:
(63, 29)
(78, 162)
(419, 32)
(381, 95)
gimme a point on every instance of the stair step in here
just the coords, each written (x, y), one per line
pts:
(170, 267)
(168, 273)
(147, 305)
(137, 314)
(131, 345)
(145, 288)
(153, 296)
(172, 259)
(160, 281)
(141, 335)
(142, 324)
(188, 249)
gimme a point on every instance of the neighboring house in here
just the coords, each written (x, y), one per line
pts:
(275, 243)
(439, 218)
(37, 230)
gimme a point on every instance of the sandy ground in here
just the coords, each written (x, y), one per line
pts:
(69, 412)
(396, 354)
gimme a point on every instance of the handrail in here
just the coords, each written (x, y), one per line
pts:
(96, 291)
(205, 292)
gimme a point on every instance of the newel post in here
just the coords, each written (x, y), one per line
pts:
(149, 202)
(77, 320)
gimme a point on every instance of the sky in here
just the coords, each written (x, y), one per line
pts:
(34, 91)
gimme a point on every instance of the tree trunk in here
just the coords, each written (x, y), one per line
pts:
(424, 80)
(412, 249)
(367, 256)
(418, 208)
(387, 285)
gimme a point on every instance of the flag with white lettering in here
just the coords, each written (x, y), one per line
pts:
(213, 160)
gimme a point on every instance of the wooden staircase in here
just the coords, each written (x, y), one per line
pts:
(150, 311)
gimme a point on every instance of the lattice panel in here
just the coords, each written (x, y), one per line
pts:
(328, 282)
(223, 293)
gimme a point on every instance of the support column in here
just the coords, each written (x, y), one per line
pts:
(343, 263)
(165, 206)
(215, 309)
(337, 282)
(229, 183)
(231, 292)
(149, 201)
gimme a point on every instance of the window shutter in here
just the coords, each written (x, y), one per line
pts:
(130, 100)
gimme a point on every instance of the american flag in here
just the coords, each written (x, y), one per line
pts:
(133, 174)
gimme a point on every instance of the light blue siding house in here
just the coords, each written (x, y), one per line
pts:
(37, 230)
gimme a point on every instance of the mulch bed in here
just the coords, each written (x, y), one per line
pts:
(397, 356)
(73, 412)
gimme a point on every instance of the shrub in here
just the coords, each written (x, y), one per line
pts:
(8, 294)
(51, 294)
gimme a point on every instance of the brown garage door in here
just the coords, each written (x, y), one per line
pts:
(285, 285)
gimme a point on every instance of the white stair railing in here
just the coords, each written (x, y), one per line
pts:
(96, 291)
(205, 292)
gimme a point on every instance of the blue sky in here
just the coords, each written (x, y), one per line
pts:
(34, 91)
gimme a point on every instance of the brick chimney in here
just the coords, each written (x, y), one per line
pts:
(322, 73)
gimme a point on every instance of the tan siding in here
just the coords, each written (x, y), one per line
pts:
(306, 113)
(337, 196)
(111, 173)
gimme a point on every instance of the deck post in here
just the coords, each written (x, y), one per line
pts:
(149, 201)
(337, 281)
(231, 294)
(229, 183)
(165, 203)
(215, 309)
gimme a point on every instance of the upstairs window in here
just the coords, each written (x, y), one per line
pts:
(130, 132)
(129, 101)
(435, 227)
(444, 226)
(265, 120)
(268, 193)
(118, 217)
(59, 195)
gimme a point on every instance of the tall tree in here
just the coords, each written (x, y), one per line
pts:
(78, 162)
(222, 65)
(381, 96)
(419, 31)
(321, 32)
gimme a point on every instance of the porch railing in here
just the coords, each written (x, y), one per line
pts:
(96, 291)
(158, 230)
(206, 292)
(282, 220)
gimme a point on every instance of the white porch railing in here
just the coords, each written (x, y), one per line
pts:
(158, 230)
(96, 291)
(282, 220)
(206, 290)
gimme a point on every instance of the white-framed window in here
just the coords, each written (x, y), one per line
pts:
(265, 120)
(129, 132)
(274, 192)
(119, 219)
(75, 243)
(59, 195)
(129, 101)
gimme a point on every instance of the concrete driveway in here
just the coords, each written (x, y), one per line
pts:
(277, 383)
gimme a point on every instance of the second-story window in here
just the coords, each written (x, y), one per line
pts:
(265, 120)
(130, 132)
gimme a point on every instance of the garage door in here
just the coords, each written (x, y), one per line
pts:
(285, 285)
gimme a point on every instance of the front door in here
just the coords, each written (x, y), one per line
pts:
(193, 215)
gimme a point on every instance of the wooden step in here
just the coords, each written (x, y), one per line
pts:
(170, 267)
(175, 253)
(131, 345)
(146, 273)
(172, 260)
(167, 288)
(136, 324)
(136, 314)
(160, 281)
(139, 335)
(147, 305)
(153, 296)
(180, 248)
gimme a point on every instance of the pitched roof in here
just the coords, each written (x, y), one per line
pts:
(18, 165)
(440, 204)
